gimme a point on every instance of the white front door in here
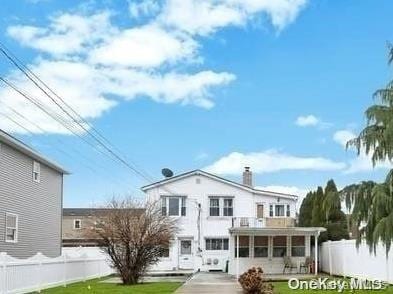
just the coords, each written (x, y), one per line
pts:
(186, 258)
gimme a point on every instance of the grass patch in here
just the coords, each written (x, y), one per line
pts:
(283, 288)
(95, 287)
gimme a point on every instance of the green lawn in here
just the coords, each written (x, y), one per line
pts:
(94, 286)
(282, 288)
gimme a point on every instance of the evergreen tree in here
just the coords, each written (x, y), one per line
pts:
(305, 211)
(317, 211)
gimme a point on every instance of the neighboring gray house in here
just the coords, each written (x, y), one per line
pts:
(31, 193)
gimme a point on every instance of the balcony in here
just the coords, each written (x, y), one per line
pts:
(267, 222)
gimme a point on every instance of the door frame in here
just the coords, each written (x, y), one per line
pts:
(191, 255)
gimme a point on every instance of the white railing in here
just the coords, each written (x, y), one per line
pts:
(248, 222)
(342, 258)
(40, 272)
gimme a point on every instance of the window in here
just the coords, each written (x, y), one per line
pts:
(298, 246)
(163, 206)
(271, 210)
(185, 247)
(279, 210)
(214, 207)
(173, 206)
(288, 210)
(11, 227)
(164, 251)
(228, 207)
(77, 224)
(261, 244)
(36, 171)
(244, 246)
(217, 244)
(279, 246)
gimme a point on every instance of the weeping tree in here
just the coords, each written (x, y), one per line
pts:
(373, 203)
(305, 211)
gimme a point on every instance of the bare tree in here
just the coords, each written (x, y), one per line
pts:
(134, 236)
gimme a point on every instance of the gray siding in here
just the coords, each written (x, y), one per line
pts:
(38, 205)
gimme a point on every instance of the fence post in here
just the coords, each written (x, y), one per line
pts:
(40, 273)
(3, 277)
(329, 244)
(65, 269)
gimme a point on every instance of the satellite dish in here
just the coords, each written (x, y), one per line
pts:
(166, 172)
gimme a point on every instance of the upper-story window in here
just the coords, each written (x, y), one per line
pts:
(173, 205)
(36, 171)
(221, 206)
(11, 227)
(279, 210)
(77, 224)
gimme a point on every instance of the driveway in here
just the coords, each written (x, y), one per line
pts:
(203, 282)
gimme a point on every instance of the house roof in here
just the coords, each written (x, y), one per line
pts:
(218, 178)
(27, 150)
(90, 211)
(277, 231)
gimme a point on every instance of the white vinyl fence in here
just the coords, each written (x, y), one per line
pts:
(344, 259)
(39, 271)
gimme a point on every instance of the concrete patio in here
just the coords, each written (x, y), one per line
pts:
(213, 282)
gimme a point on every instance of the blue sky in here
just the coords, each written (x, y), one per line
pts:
(277, 85)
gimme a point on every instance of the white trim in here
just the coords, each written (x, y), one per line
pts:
(36, 171)
(16, 228)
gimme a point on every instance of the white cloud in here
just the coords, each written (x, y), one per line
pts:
(93, 63)
(343, 136)
(311, 121)
(307, 120)
(204, 17)
(145, 46)
(271, 161)
(292, 190)
(66, 33)
(143, 8)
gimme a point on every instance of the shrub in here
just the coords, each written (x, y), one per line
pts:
(252, 282)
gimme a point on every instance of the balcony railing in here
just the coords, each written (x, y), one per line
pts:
(267, 222)
(248, 222)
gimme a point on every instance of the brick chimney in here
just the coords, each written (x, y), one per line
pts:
(247, 176)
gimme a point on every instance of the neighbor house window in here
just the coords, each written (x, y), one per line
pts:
(244, 246)
(298, 246)
(279, 246)
(279, 210)
(173, 206)
(228, 207)
(271, 210)
(214, 207)
(77, 224)
(261, 245)
(164, 251)
(288, 210)
(217, 244)
(11, 227)
(36, 171)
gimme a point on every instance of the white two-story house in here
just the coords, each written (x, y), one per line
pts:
(215, 215)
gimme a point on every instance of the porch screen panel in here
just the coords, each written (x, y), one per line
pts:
(261, 244)
(298, 246)
(279, 246)
(244, 248)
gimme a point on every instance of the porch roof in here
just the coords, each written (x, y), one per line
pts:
(291, 231)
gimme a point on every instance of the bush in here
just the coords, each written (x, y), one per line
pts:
(252, 282)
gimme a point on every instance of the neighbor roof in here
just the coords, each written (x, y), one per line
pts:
(215, 177)
(25, 149)
(90, 211)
